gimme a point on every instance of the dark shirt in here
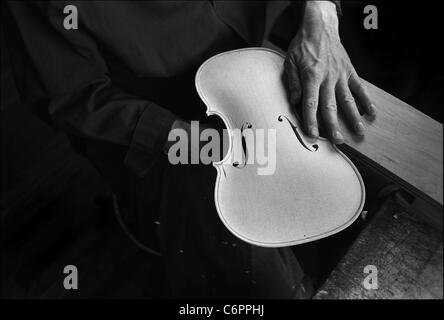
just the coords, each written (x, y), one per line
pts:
(127, 72)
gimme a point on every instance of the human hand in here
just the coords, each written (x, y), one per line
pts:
(321, 74)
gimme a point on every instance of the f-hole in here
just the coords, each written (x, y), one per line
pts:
(236, 164)
(312, 148)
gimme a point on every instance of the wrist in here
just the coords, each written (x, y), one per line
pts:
(320, 16)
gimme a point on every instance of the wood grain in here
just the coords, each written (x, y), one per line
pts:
(402, 143)
(406, 252)
(297, 199)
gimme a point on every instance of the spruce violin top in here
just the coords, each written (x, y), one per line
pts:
(275, 186)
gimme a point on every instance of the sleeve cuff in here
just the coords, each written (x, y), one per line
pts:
(338, 7)
(148, 139)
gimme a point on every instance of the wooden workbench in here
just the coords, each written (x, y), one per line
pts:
(406, 251)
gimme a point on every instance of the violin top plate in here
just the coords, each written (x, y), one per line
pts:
(311, 191)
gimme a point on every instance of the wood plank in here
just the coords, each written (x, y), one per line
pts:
(402, 143)
(406, 252)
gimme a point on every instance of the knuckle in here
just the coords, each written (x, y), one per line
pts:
(347, 99)
(290, 62)
(361, 86)
(311, 74)
(349, 76)
(310, 104)
(330, 107)
(332, 75)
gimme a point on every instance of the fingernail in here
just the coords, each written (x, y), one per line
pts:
(372, 109)
(359, 128)
(337, 135)
(313, 131)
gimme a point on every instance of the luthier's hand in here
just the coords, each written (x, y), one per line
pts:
(321, 74)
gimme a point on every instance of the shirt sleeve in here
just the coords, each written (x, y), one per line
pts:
(338, 7)
(66, 68)
(299, 6)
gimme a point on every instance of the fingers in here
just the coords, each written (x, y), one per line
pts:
(310, 105)
(348, 105)
(294, 83)
(360, 91)
(319, 91)
(328, 109)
